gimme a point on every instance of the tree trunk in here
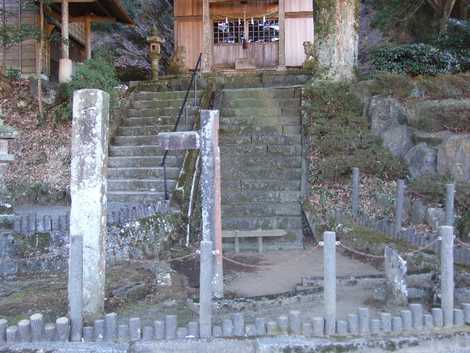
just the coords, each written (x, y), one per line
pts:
(39, 61)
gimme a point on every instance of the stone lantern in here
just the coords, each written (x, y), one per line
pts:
(155, 42)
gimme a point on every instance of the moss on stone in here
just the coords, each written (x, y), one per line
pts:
(32, 245)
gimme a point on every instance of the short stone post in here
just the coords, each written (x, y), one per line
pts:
(75, 287)
(399, 201)
(355, 192)
(88, 215)
(329, 281)
(447, 274)
(450, 199)
(205, 289)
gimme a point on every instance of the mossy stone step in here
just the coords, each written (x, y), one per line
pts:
(144, 130)
(259, 139)
(235, 197)
(149, 113)
(143, 161)
(136, 140)
(137, 197)
(137, 151)
(261, 209)
(268, 162)
(149, 121)
(142, 173)
(139, 185)
(251, 223)
(163, 95)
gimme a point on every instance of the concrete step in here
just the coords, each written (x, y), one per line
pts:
(142, 173)
(237, 197)
(261, 209)
(135, 140)
(151, 185)
(144, 130)
(268, 161)
(260, 185)
(139, 151)
(251, 223)
(259, 172)
(135, 196)
(150, 121)
(147, 161)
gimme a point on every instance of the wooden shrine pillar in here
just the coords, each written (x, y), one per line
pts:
(207, 45)
(282, 33)
(65, 64)
(88, 37)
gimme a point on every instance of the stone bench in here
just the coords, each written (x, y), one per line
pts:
(259, 234)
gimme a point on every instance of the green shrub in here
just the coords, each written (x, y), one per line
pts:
(341, 136)
(12, 73)
(457, 41)
(417, 59)
(95, 73)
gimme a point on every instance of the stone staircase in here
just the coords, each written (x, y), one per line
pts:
(261, 165)
(135, 175)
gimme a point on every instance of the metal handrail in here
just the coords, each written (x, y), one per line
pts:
(180, 114)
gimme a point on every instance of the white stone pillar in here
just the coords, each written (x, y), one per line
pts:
(282, 34)
(447, 274)
(207, 45)
(88, 215)
(65, 64)
(329, 281)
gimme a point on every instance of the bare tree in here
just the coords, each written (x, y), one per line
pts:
(443, 9)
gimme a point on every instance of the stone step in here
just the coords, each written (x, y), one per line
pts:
(144, 130)
(231, 102)
(150, 113)
(152, 103)
(261, 209)
(241, 121)
(237, 197)
(259, 139)
(163, 95)
(259, 172)
(260, 185)
(260, 150)
(150, 121)
(135, 196)
(247, 161)
(136, 140)
(262, 93)
(151, 185)
(267, 129)
(142, 173)
(141, 162)
(139, 151)
(251, 223)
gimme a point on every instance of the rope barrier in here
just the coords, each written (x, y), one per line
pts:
(360, 253)
(181, 258)
(426, 247)
(460, 242)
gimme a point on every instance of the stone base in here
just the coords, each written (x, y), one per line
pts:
(65, 70)
(244, 64)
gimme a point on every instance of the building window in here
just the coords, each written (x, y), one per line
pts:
(228, 31)
(263, 30)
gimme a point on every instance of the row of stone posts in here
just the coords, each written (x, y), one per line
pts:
(400, 201)
(362, 321)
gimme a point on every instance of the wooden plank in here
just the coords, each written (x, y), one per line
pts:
(298, 31)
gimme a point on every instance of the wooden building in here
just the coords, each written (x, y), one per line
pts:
(67, 27)
(243, 33)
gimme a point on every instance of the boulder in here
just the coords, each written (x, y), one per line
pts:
(385, 113)
(453, 158)
(435, 217)
(418, 212)
(421, 160)
(431, 138)
(398, 140)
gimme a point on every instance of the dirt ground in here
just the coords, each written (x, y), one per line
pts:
(264, 286)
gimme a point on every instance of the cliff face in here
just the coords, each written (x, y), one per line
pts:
(128, 44)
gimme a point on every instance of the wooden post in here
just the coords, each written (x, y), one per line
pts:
(282, 34)
(88, 37)
(65, 29)
(206, 37)
(65, 64)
